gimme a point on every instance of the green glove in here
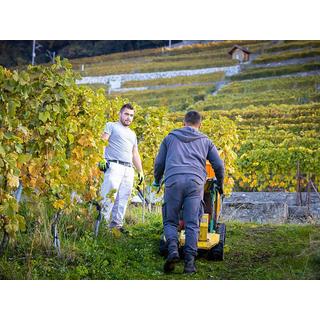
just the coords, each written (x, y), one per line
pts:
(103, 165)
(155, 186)
(140, 177)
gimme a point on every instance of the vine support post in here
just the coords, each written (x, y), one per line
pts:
(99, 218)
(54, 231)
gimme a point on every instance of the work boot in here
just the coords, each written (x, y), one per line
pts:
(189, 265)
(123, 230)
(173, 257)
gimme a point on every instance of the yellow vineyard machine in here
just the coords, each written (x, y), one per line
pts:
(212, 233)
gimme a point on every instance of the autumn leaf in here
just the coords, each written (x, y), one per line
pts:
(13, 181)
(58, 204)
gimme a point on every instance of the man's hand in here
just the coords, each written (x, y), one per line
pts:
(103, 165)
(140, 177)
(105, 136)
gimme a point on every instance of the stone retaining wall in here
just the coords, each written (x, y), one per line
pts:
(116, 80)
(271, 207)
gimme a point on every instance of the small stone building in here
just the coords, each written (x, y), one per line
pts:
(239, 53)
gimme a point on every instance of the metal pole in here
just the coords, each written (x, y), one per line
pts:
(308, 196)
(33, 51)
(170, 44)
(54, 231)
(144, 201)
(299, 195)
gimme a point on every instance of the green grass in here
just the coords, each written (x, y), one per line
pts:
(252, 252)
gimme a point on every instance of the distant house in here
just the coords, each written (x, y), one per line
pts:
(239, 53)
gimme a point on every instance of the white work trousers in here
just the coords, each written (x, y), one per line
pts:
(115, 191)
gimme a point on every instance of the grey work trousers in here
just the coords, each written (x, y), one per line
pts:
(183, 192)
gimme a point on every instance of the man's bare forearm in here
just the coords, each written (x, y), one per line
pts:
(137, 161)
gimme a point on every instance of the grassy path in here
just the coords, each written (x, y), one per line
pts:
(252, 252)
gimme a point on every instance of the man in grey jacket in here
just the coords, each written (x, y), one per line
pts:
(182, 161)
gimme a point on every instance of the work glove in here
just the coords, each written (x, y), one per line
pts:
(155, 186)
(103, 165)
(220, 190)
(140, 177)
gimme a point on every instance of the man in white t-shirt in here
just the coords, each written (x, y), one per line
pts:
(120, 155)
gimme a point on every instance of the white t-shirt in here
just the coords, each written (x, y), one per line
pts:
(121, 142)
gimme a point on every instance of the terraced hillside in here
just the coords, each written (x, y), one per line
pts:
(262, 92)
(163, 59)
(273, 99)
(281, 60)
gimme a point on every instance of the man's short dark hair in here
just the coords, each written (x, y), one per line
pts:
(127, 106)
(192, 117)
